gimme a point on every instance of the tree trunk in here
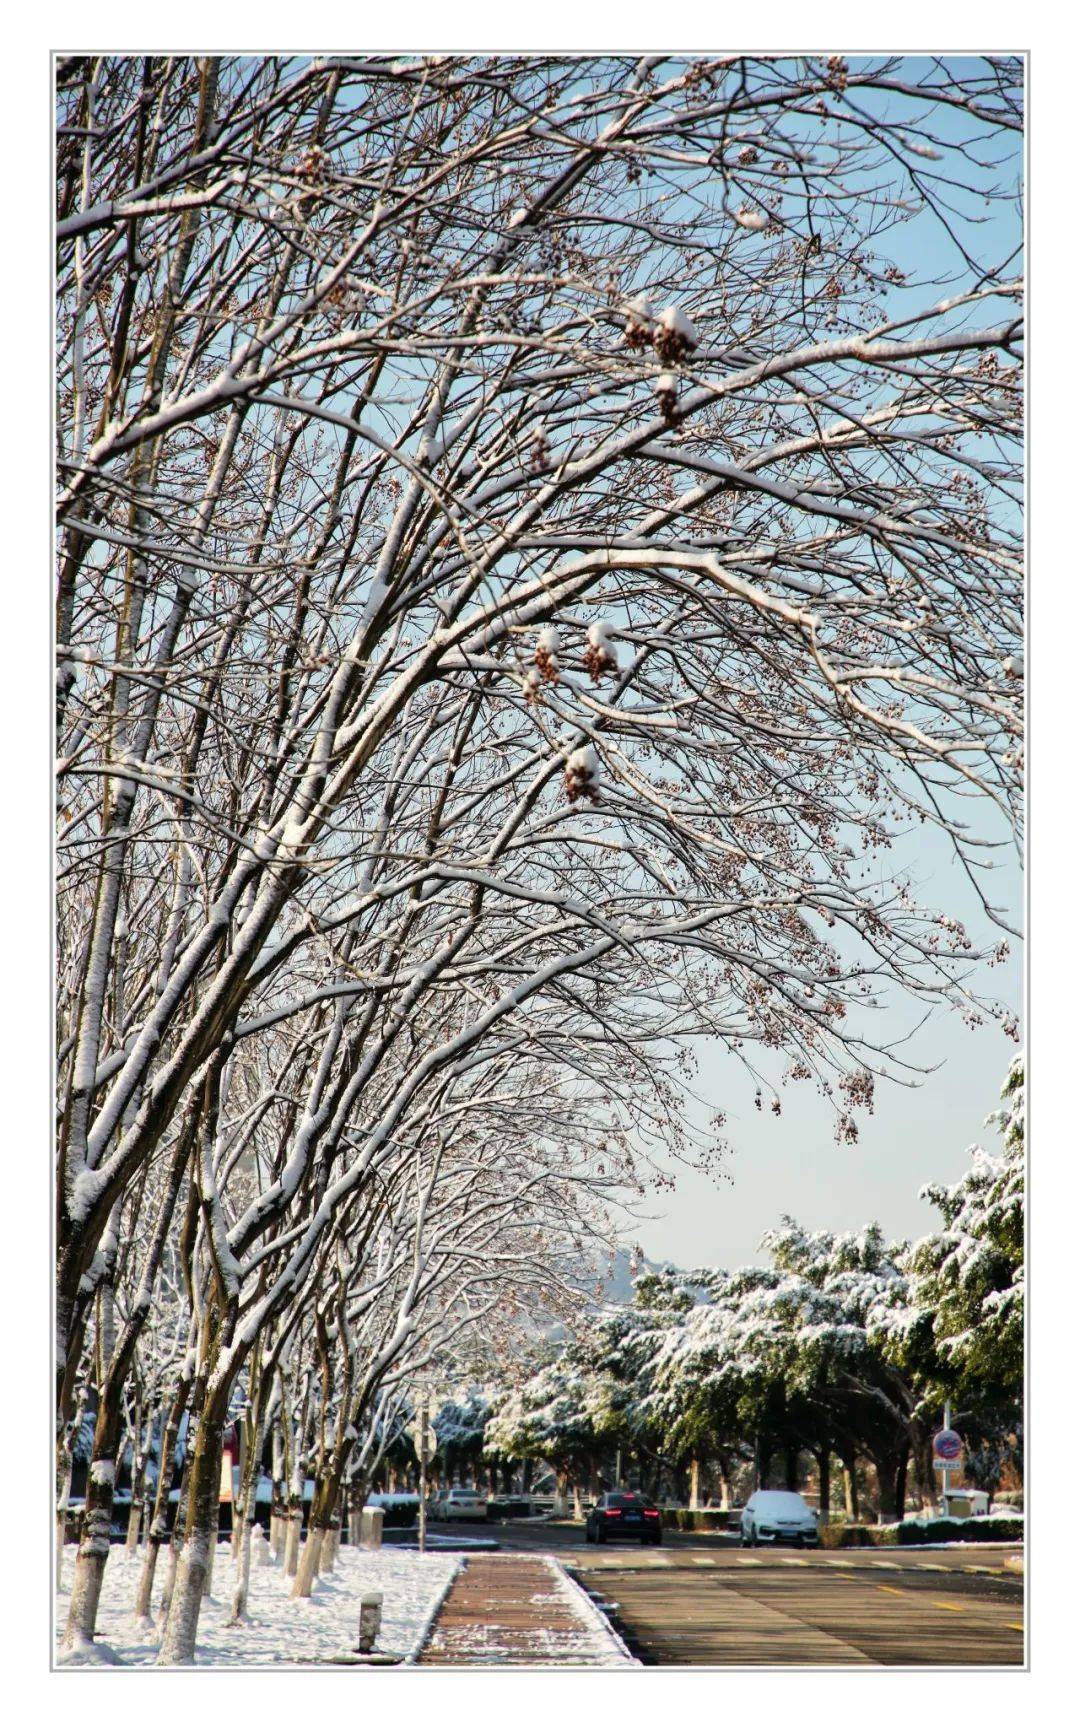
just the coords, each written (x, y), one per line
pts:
(900, 1482)
(891, 1474)
(791, 1469)
(181, 1627)
(134, 1524)
(824, 1459)
(293, 1526)
(330, 1547)
(277, 1531)
(92, 1555)
(158, 1529)
(170, 1581)
(145, 1593)
(851, 1490)
(211, 1548)
(243, 1574)
(308, 1562)
(695, 1484)
(62, 1498)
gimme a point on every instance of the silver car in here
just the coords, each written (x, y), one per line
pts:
(459, 1504)
(778, 1516)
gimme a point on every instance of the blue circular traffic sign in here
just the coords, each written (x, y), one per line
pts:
(947, 1444)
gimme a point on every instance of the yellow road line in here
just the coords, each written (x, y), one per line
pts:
(953, 1607)
(892, 1590)
(1012, 1626)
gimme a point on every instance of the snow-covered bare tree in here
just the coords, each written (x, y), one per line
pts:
(525, 545)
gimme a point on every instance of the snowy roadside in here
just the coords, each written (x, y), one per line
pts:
(606, 1648)
(281, 1631)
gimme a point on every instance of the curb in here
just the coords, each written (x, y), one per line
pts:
(428, 1624)
(586, 1607)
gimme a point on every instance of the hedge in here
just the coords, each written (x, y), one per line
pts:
(999, 1529)
(700, 1519)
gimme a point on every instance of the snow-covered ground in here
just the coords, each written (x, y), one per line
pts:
(281, 1630)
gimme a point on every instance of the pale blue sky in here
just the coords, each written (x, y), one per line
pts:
(792, 1163)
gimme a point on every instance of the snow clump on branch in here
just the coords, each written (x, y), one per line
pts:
(640, 317)
(674, 336)
(754, 219)
(665, 390)
(546, 656)
(600, 653)
(582, 772)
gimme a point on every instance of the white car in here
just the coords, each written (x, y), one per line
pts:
(459, 1504)
(778, 1516)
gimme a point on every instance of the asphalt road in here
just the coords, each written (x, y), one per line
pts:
(699, 1600)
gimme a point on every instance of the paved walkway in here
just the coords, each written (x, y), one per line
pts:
(510, 1610)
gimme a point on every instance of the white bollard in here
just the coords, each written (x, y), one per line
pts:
(260, 1546)
(371, 1521)
(370, 1620)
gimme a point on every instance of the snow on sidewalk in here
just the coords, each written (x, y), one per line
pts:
(281, 1630)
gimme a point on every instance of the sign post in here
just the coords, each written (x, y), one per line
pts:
(424, 1441)
(948, 1454)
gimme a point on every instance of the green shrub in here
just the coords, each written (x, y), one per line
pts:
(697, 1518)
(912, 1532)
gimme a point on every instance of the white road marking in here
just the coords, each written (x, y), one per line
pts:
(841, 1564)
(793, 1561)
(703, 1560)
(749, 1561)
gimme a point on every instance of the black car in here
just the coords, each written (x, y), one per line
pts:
(621, 1515)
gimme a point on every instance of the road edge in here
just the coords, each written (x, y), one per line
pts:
(587, 1608)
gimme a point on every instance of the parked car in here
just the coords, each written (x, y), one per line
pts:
(778, 1516)
(459, 1504)
(618, 1514)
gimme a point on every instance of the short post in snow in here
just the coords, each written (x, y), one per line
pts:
(260, 1546)
(370, 1621)
(371, 1524)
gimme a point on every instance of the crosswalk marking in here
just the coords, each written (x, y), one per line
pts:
(929, 1567)
(967, 1569)
(748, 1561)
(793, 1561)
(703, 1560)
(886, 1566)
(835, 1563)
